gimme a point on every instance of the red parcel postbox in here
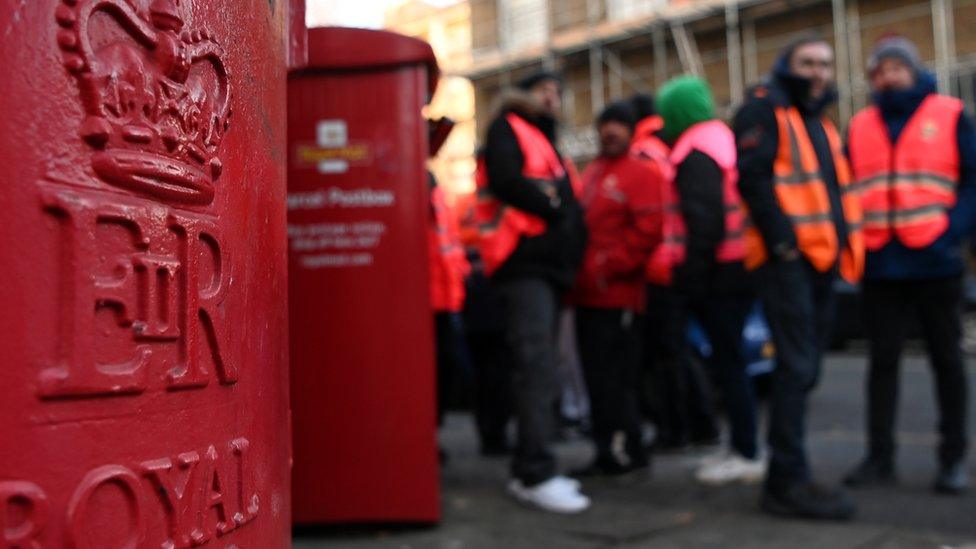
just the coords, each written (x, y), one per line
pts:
(144, 322)
(361, 325)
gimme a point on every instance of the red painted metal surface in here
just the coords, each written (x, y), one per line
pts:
(297, 35)
(144, 325)
(361, 324)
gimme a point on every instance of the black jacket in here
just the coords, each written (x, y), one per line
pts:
(557, 253)
(699, 181)
(757, 139)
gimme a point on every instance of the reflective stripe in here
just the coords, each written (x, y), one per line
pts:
(798, 178)
(923, 178)
(904, 215)
(811, 219)
(915, 214)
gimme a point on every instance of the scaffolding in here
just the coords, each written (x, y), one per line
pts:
(673, 30)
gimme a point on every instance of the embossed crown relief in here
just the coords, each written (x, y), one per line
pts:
(155, 93)
(156, 97)
(142, 277)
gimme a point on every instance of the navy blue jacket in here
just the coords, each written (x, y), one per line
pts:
(757, 139)
(944, 258)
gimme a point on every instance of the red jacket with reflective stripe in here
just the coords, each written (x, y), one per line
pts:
(448, 264)
(716, 140)
(499, 226)
(908, 187)
(647, 146)
(622, 206)
(650, 148)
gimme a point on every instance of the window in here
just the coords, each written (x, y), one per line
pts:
(524, 24)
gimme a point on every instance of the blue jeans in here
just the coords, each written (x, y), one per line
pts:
(799, 303)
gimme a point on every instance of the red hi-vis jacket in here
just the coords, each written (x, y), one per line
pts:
(448, 264)
(499, 226)
(622, 210)
(647, 146)
(716, 140)
(650, 148)
(803, 196)
(908, 187)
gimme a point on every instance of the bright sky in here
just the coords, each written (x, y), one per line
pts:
(353, 13)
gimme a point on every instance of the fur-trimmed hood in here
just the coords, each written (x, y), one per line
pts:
(523, 104)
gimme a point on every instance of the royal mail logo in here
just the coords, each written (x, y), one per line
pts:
(333, 152)
(144, 281)
(157, 101)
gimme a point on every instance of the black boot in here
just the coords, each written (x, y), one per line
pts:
(952, 479)
(807, 500)
(603, 467)
(872, 472)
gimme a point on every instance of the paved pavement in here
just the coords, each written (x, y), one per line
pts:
(669, 510)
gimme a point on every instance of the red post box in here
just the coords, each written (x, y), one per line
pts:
(144, 323)
(361, 323)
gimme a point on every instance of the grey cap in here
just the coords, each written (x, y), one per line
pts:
(895, 47)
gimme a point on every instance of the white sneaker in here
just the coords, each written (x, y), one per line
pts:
(713, 458)
(555, 495)
(571, 482)
(732, 468)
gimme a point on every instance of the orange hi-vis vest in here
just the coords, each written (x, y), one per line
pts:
(803, 197)
(448, 262)
(907, 187)
(500, 226)
(716, 140)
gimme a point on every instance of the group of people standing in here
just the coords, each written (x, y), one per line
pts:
(682, 216)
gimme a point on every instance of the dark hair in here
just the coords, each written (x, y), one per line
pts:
(618, 111)
(804, 39)
(643, 105)
(537, 78)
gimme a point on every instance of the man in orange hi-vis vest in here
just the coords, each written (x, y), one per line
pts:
(532, 238)
(913, 155)
(796, 185)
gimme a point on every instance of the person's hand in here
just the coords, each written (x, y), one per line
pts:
(786, 252)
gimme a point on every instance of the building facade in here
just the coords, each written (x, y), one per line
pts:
(448, 31)
(609, 49)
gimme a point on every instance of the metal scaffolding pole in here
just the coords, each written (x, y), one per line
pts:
(687, 49)
(596, 59)
(623, 72)
(660, 55)
(843, 59)
(733, 41)
(596, 79)
(943, 31)
(858, 83)
(549, 61)
(750, 51)
(616, 75)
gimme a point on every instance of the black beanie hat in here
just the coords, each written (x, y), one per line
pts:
(643, 105)
(537, 78)
(619, 111)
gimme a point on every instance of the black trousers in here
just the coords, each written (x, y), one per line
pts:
(493, 386)
(799, 303)
(609, 346)
(531, 310)
(451, 356)
(889, 307)
(724, 318)
(675, 391)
